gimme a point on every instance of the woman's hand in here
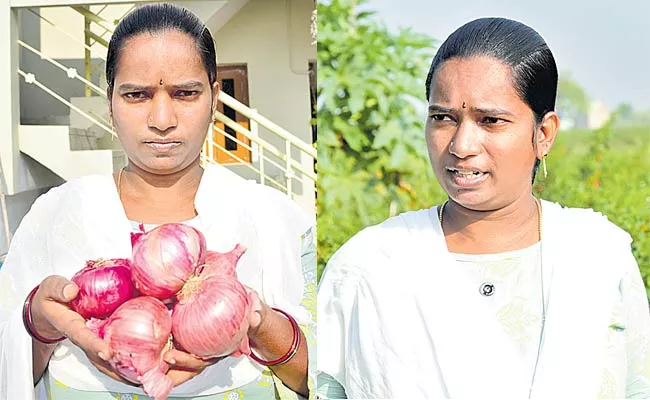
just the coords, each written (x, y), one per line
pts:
(184, 366)
(53, 318)
(258, 316)
(271, 336)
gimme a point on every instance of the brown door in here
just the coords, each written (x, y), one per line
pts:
(234, 81)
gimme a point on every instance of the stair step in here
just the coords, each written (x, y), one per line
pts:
(50, 146)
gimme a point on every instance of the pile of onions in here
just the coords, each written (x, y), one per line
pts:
(128, 304)
(138, 333)
(103, 286)
(211, 317)
(164, 259)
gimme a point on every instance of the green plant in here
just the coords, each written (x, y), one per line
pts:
(370, 142)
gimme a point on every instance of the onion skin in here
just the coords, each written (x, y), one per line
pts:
(211, 317)
(103, 286)
(165, 257)
(138, 334)
(222, 263)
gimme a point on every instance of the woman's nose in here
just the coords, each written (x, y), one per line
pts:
(466, 142)
(162, 115)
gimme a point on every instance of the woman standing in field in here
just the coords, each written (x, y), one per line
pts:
(162, 92)
(495, 293)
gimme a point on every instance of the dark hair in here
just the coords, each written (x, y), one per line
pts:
(160, 17)
(534, 72)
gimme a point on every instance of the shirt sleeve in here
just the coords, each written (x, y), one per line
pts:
(638, 332)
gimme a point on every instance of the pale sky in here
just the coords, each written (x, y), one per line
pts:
(605, 44)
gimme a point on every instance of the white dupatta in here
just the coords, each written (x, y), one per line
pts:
(84, 219)
(397, 320)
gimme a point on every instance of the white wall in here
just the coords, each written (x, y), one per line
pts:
(273, 38)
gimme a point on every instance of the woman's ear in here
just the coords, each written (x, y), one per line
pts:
(109, 100)
(546, 133)
(215, 95)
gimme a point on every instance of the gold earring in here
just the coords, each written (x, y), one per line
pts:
(544, 166)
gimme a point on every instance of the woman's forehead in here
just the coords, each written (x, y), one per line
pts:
(170, 53)
(473, 79)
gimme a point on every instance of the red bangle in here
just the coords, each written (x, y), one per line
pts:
(292, 350)
(29, 324)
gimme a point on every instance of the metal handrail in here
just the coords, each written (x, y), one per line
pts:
(211, 142)
(267, 123)
(31, 79)
(238, 128)
(71, 72)
(247, 147)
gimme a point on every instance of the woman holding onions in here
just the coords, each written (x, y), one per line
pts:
(162, 91)
(495, 293)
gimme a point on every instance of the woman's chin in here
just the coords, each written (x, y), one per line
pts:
(477, 200)
(163, 165)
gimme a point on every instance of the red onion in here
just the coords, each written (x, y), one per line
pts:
(211, 317)
(103, 286)
(222, 263)
(165, 257)
(138, 333)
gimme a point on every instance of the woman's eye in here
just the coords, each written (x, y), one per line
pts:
(491, 120)
(135, 95)
(440, 117)
(186, 93)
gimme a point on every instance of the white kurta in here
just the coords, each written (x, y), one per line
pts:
(399, 318)
(84, 219)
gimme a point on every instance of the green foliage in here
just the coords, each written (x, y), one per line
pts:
(371, 147)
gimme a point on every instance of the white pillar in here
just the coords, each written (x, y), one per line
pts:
(9, 99)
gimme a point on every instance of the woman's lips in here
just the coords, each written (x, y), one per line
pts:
(162, 146)
(467, 178)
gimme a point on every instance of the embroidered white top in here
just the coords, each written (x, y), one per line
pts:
(401, 317)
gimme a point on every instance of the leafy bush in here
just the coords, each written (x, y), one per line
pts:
(371, 150)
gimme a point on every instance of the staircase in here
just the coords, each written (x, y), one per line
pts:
(50, 145)
(83, 142)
